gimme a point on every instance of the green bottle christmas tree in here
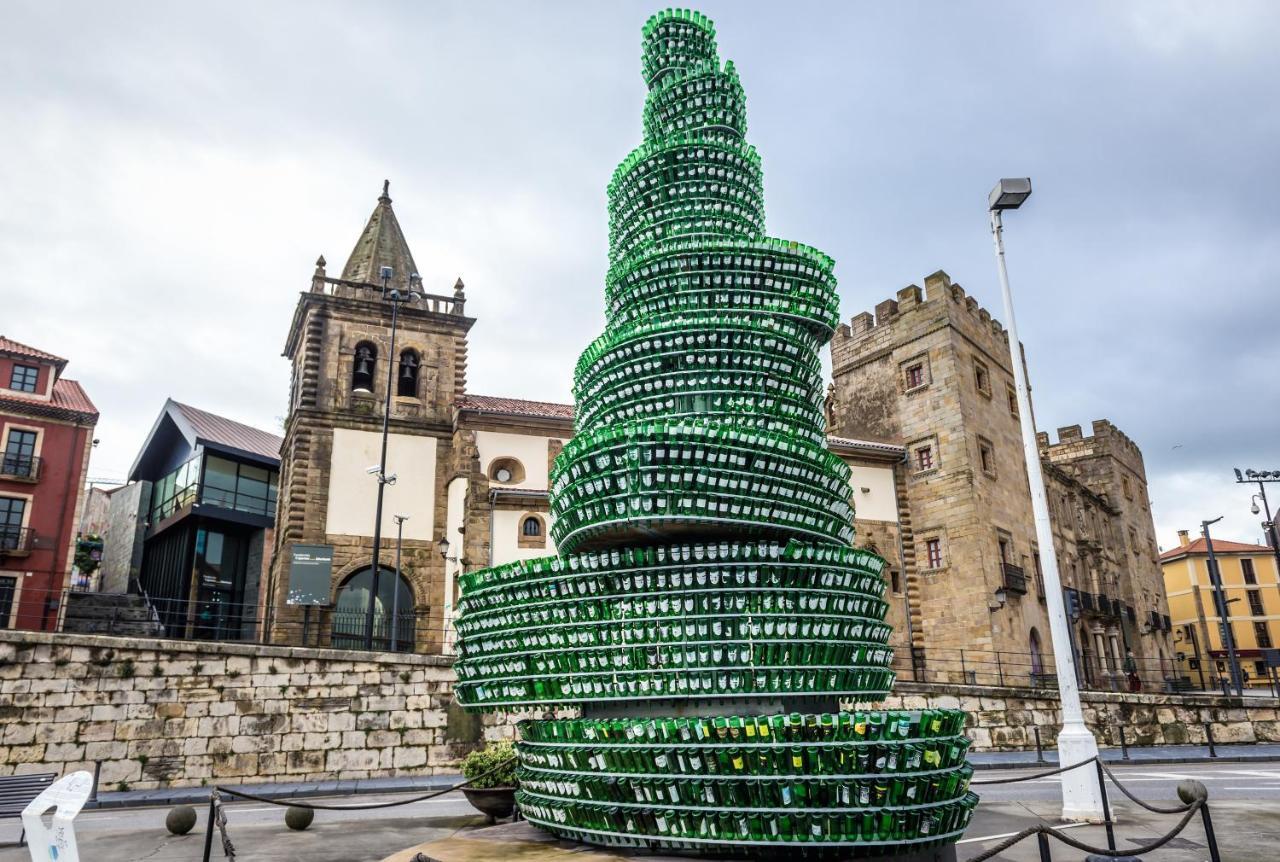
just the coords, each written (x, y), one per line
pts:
(707, 613)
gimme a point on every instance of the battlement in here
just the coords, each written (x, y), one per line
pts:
(1106, 439)
(911, 305)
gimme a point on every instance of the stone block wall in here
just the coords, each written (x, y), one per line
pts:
(171, 713)
(161, 713)
(1002, 719)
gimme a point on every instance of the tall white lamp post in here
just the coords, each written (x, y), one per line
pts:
(1081, 796)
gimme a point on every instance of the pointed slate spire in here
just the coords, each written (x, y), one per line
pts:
(381, 244)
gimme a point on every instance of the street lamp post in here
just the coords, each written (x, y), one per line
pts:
(1262, 477)
(1220, 602)
(396, 298)
(395, 596)
(1081, 795)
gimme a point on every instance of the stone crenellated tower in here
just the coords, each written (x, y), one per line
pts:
(338, 344)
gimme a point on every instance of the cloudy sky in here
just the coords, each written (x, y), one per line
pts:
(169, 173)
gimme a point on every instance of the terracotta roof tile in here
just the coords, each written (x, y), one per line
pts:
(1220, 546)
(227, 432)
(69, 401)
(515, 406)
(8, 345)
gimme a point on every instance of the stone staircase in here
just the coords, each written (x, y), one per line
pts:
(110, 614)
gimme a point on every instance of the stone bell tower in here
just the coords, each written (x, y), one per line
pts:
(340, 345)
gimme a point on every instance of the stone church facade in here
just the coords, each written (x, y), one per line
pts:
(931, 371)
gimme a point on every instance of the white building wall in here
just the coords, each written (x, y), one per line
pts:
(506, 537)
(879, 501)
(455, 517)
(529, 450)
(353, 491)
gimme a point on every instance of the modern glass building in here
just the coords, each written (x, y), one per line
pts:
(208, 510)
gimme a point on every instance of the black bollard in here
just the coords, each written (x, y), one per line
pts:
(1039, 747)
(1208, 735)
(1124, 745)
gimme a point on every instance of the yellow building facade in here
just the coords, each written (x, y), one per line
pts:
(1251, 583)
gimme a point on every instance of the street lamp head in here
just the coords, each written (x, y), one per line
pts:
(443, 547)
(385, 273)
(1009, 193)
(1253, 506)
(414, 278)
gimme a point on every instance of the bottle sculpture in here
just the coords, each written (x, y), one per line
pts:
(707, 612)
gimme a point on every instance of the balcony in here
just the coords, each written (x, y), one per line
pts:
(1015, 579)
(20, 468)
(15, 541)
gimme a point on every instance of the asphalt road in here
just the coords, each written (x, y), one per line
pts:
(1246, 800)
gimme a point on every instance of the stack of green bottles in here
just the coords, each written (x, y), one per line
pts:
(622, 482)
(831, 779)
(684, 621)
(704, 534)
(761, 277)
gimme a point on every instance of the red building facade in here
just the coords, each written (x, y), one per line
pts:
(46, 432)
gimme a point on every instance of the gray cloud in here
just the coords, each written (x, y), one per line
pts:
(170, 173)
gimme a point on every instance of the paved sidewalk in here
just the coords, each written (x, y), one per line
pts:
(1259, 752)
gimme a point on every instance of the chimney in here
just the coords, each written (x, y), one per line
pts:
(1183, 538)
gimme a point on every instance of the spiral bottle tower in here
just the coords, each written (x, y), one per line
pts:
(707, 612)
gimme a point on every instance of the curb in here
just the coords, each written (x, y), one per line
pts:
(195, 795)
(1136, 761)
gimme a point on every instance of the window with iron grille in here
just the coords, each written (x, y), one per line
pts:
(924, 458)
(1246, 566)
(1263, 635)
(933, 553)
(1255, 603)
(915, 375)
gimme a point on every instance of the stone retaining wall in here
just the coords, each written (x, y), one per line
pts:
(172, 713)
(1002, 719)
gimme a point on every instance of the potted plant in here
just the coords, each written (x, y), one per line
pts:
(492, 773)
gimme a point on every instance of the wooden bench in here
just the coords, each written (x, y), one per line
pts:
(18, 791)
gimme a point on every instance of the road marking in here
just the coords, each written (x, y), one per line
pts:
(1011, 834)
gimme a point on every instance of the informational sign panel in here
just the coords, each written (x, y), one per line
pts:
(1271, 657)
(56, 842)
(310, 574)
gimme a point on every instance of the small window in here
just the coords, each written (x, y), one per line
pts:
(1013, 400)
(1246, 566)
(531, 528)
(407, 385)
(1004, 551)
(506, 471)
(1133, 541)
(981, 379)
(895, 581)
(1255, 603)
(364, 367)
(23, 378)
(1035, 559)
(1262, 635)
(987, 456)
(915, 375)
(1260, 669)
(1128, 489)
(933, 553)
(924, 458)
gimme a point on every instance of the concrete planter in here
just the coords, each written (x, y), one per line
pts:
(495, 802)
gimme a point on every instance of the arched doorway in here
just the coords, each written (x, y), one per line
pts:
(352, 606)
(1037, 657)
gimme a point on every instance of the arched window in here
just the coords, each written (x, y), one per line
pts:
(1037, 657)
(408, 378)
(350, 612)
(506, 471)
(531, 528)
(364, 367)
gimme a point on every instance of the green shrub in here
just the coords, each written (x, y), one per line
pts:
(489, 758)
